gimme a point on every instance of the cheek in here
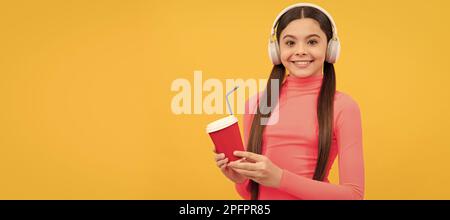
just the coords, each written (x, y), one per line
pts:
(320, 53)
(285, 53)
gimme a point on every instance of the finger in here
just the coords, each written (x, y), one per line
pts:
(220, 163)
(249, 155)
(224, 165)
(242, 160)
(247, 173)
(245, 160)
(248, 160)
(244, 166)
(219, 156)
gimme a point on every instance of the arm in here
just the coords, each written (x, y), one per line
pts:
(351, 164)
(242, 188)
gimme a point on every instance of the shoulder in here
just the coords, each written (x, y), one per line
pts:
(252, 102)
(345, 108)
(343, 102)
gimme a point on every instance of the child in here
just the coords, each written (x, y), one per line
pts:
(291, 159)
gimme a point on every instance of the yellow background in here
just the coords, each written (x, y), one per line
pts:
(85, 94)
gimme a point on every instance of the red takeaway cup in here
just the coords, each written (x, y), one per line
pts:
(226, 136)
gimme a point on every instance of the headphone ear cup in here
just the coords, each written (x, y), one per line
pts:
(274, 53)
(333, 51)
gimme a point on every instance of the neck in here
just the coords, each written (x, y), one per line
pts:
(310, 83)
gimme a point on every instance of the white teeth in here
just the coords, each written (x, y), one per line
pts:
(302, 62)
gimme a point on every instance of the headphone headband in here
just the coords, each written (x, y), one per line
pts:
(334, 29)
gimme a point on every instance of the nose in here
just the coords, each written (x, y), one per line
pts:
(300, 49)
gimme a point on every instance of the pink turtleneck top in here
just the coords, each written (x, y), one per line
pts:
(290, 141)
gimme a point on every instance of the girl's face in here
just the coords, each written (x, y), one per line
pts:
(303, 47)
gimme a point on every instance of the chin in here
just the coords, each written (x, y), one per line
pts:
(301, 73)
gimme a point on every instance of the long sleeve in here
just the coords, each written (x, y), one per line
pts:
(242, 188)
(351, 165)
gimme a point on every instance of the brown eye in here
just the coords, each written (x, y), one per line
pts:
(290, 43)
(312, 42)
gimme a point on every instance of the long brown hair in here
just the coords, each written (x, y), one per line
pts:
(324, 101)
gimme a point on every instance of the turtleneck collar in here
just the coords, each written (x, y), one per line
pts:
(310, 83)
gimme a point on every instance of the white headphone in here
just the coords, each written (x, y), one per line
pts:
(333, 49)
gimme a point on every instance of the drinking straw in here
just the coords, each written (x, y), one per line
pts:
(228, 103)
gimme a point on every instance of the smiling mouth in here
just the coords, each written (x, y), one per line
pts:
(302, 63)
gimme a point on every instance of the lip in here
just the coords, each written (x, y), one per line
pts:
(302, 65)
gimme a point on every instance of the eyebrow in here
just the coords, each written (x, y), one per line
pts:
(311, 35)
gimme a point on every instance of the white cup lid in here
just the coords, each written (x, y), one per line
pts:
(221, 123)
